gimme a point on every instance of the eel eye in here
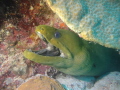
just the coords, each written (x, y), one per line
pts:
(57, 34)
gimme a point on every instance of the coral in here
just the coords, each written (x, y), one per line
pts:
(40, 83)
(11, 83)
(94, 20)
(18, 19)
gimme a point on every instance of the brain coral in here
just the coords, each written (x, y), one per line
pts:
(94, 20)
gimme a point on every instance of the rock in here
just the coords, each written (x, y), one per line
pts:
(94, 20)
(108, 82)
(75, 83)
(41, 83)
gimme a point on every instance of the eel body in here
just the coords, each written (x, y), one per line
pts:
(72, 55)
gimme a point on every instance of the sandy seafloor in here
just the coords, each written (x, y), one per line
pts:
(18, 19)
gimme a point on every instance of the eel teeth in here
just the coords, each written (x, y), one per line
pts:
(50, 50)
(42, 51)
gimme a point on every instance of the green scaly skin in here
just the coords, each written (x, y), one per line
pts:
(82, 57)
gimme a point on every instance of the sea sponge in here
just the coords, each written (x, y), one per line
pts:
(94, 20)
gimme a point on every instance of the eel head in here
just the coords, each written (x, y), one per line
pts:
(62, 47)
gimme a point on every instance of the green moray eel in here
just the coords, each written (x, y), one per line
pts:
(72, 55)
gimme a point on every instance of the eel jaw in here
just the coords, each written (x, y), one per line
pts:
(50, 50)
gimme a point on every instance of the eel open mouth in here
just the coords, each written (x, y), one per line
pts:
(50, 50)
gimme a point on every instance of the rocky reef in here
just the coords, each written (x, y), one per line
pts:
(18, 19)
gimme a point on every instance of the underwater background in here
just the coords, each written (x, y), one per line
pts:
(18, 19)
